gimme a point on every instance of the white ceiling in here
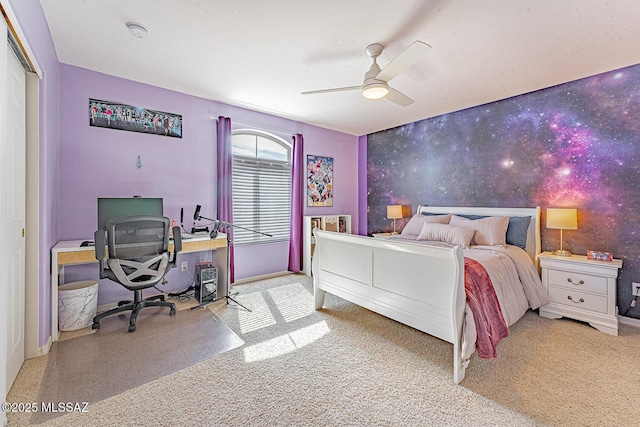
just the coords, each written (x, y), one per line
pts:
(261, 54)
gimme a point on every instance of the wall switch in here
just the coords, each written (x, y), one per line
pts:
(635, 289)
(185, 266)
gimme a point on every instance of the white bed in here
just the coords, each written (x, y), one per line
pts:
(421, 284)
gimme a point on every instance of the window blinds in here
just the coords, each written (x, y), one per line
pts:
(261, 199)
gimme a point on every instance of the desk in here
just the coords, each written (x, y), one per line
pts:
(69, 252)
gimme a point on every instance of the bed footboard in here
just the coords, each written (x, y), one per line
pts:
(417, 285)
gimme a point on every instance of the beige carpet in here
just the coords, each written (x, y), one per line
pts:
(111, 360)
(346, 366)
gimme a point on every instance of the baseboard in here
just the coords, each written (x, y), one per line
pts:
(262, 277)
(629, 321)
(41, 351)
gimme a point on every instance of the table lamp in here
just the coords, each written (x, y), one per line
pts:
(394, 212)
(563, 219)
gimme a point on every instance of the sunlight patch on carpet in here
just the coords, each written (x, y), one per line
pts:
(287, 343)
(293, 301)
(289, 302)
(260, 315)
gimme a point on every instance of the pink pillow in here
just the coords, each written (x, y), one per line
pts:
(414, 226)
(490, 231)
(459, 236)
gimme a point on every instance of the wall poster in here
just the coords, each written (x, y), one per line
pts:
(319, 181)
(113, 115)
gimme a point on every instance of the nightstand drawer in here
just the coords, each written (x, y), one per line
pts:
(576, 299)
(577, 281)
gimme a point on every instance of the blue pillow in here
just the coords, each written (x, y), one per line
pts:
(472, 216)
(516, 232)
(433, 214)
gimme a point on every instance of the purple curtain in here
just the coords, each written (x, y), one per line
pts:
(225, 196)
(297, 204)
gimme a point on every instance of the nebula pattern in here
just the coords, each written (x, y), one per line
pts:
(572, 145)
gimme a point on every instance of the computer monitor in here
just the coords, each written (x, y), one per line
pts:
(113, 207)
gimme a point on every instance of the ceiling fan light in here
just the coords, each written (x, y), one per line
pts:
(375, 90)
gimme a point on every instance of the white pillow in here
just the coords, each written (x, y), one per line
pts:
(458, 236)
(414, 226)
(490, 231)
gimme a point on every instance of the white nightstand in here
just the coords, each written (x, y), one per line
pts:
(581, 289)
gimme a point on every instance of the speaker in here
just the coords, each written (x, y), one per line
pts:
(206, 282)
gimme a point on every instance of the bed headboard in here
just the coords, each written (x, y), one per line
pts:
(533, 246)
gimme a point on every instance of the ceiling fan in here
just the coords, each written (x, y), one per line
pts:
(376, 81)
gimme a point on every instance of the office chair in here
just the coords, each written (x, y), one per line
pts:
(138, 259)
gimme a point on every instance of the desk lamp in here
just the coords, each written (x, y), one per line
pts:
(562, 219)
(394, 212)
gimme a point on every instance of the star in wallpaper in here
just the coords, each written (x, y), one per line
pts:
(572, 145)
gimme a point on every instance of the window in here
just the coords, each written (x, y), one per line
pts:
(261, 185)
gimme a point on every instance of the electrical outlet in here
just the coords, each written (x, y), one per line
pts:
(635, 289)
(185, 266)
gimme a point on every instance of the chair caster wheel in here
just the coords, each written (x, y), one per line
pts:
(132, 328)
(172, 312)
(95, 326)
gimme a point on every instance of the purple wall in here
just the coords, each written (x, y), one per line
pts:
(99, 162)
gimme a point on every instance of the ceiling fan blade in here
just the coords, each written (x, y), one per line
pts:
(338, 89)
(404, 60)
(399, 98)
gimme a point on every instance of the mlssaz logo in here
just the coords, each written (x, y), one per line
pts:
(65, 407)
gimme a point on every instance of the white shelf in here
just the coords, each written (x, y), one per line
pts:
(336, 223)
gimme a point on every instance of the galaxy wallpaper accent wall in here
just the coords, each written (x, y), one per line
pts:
(574, 145)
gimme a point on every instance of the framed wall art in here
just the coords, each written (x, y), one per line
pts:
(114, 115)
(319, 180)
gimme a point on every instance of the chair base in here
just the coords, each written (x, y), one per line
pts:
(135, 306)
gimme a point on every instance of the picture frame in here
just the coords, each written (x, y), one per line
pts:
(115, 115)
(319, 181)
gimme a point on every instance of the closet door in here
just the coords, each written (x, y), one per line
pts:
(12, 194)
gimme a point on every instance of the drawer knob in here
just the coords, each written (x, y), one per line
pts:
(575, 302)
(581, 282)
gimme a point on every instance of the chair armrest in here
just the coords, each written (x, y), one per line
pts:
(177, 246)
(177, 240)
(100, 243)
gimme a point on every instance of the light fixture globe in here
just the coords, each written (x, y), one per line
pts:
(375, 90)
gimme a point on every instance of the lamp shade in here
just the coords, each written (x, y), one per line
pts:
(394, 212)
(563, 219)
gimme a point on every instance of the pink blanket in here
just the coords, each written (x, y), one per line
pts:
(483, 302)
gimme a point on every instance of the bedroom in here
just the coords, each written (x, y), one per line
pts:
(67, 152)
